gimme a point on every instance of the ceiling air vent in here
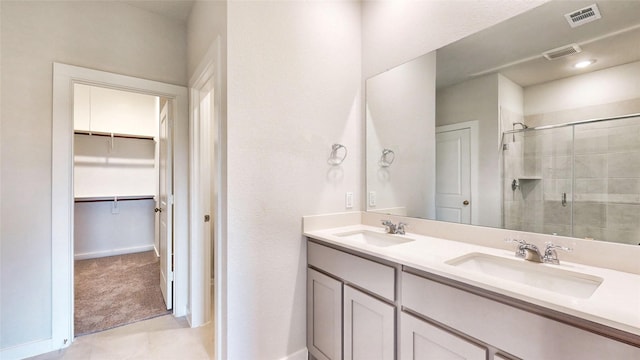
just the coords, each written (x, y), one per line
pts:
(583, 16)
(562, 51)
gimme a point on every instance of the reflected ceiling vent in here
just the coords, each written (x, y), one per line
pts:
(563, 51)
(583, 16)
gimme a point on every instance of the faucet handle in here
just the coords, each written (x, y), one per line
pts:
(550, 254)
(400, 228)
(520, 250)
(389, 227)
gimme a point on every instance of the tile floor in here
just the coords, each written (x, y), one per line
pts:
(164, 337)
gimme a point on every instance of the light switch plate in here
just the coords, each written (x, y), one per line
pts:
(372, 198)
(348, 200)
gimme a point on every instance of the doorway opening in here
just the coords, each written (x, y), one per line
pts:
(62, 195)
(123, 253)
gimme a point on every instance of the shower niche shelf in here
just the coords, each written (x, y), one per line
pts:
(515, 184)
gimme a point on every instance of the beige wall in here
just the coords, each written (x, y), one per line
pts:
(400, 115)
(293, 91)
(208, 21)
(110, 36)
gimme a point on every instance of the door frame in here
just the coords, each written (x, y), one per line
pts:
(62, 196)
(473, 127)
(209, 73)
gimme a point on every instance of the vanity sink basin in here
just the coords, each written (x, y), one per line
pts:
(533, 274)
(374, 238)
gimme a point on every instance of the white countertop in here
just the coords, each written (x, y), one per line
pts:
(615, 303)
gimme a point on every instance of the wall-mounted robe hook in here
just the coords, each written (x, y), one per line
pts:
(334, 157)
(387, 158)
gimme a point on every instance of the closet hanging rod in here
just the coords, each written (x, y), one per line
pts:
(113, 198)
(106, 134)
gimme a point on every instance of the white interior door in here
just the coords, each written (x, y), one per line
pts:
(453, 176)
(165, 206)
(207, 168)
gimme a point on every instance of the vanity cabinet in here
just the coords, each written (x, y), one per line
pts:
(523, 331)
(350, 306)
(354, 311)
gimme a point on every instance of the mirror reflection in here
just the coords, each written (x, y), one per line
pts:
(527, 125)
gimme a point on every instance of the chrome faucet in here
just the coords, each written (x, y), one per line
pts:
(531, 252)
(527, 251)
(391, 228)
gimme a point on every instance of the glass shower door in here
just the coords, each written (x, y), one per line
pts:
(555, 151)
(538, 181)
(607, 181)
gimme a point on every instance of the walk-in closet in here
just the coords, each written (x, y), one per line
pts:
(116, 221)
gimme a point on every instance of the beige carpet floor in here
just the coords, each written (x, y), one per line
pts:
(117, 290)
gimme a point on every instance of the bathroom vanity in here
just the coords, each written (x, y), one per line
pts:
(373, 295)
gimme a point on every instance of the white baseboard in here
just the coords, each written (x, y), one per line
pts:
(27, 350)
(302, 354)
(113, 252)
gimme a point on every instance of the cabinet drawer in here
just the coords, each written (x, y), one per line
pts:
(516, 331)
(370, 275)
(421, 340)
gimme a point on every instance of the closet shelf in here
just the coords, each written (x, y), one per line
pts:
(113, 198)
(117, 135)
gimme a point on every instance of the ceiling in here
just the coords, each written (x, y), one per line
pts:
(514, 48)
(173, 9)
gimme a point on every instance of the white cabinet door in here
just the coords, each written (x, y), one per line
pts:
(423, 341)
(369, 327)
(97, 109)
(324, 316)
(123, 112)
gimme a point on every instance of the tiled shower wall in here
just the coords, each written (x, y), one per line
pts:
(607, 181)
(596, 165)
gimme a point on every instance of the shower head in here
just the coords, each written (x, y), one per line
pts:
(514, 127)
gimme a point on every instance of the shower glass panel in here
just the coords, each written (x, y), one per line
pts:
(607, 181)
(538, 180)
(580, 180)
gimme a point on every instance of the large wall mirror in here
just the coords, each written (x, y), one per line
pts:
(532, 125)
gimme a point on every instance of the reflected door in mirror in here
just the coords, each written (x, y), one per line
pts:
(453, 176)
